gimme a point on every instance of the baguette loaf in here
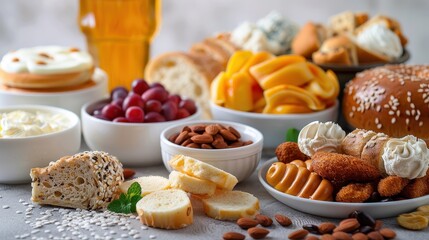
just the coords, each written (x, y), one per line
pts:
(191, 184)
(167, 209)
(186, 74)
(231, 205)
(201, 170)
(88, 180)
(148, 184)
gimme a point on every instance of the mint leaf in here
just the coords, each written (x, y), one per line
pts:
(127, 202)
(122, 198)
(134, 190)
(292, 135)
(134, 201)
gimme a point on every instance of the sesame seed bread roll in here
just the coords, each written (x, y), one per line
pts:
(392, 99)
(191, 184)
(202, 170)
(167, 209)
(231, 205)
(88, 180)
(148, 184)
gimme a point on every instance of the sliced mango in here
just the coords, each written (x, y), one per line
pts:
(267, 67)
(237, 61)
(218, 89)
(324, 85)
(256, 59)
(239, 93)
(289, 94)
(296, 74)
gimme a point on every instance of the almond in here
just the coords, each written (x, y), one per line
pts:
(198, 128)
(257, 232)
(246, 223)
(187, 129)
(233, 236)
(234, 131)
(186, 142)
(128, 173)
(203, 138)
(341, 236)
(347, 226)
(206, 146)
(312, 237)
(326, 227)
(265, 221)
(228, 135)
(182, 137)
(359, 236)
(283, 220)
(375, 236)
(173, 137)
(193, 145)
(387, 233)
(298, 234)
(378, 224)
(212, 129)
(236, 144)
(327, 237)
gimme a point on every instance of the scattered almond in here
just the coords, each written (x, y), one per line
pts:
(298, 234)
(326, 227)
(233, 236)
(246, 223)
(347, 226)
(359, 236)
(128, 173)
(283, 220)
(375, 236)
(341, 236)
(387, 233)
(327, 237)
(264, 220)
(312, 237)
(378, 224)
(257, 232)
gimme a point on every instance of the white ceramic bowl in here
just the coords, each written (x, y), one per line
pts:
(134, 144)
(240, 162)
(19, 155)
(70, 100)
(339, 209)
(273, 126)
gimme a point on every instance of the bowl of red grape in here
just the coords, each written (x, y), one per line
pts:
(129, 123)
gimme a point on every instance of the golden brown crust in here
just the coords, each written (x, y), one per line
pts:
(339, 50)
(393, 99)
(355, 141)
(417, 187)
(343, 168)
(391, 186)
(309, 39)
(355, 192)
(373, 151)
(289, 151)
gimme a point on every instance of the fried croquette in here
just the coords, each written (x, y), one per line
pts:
(289, 151)
(355, 192)
(391, 185)
(343, 168)
(416, 188)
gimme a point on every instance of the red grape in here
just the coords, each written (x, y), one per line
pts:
(182, 113)
(111, 111)
(155, 94)
(134, 114)
(154, 117)
(139, 86)
(133, 100)
(156, 84)
(118, 102)
(175, 98)
(169, 110)
(153, 106)
(189, 105)
(120, 119)
(118, 93)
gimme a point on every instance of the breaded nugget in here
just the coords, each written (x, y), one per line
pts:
(355, 192)
(416, 188)
(289, 151)
(343, 168)
(391, 185)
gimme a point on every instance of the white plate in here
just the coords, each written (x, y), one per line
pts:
(337, 209)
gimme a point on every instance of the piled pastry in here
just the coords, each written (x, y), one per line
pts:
(351, 39)
(361, 166)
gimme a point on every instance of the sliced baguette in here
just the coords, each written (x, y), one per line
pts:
(148, 184)
(88, 180)
(167, 209)
(191, 184)
(231, 205)
(202, 170)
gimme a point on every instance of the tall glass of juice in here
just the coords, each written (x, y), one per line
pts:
(118, 35)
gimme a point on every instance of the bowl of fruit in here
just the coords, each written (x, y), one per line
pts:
(129, 123)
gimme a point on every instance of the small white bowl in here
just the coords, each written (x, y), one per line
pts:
(273, 126)
(134, 144)
(19, 155)
(71, 100)
(240, 162)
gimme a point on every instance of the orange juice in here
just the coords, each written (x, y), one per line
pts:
(118, 35)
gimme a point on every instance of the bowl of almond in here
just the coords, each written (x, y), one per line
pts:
(233, 147)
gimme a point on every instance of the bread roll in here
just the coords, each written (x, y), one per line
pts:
(309, 39)
(390, 23)
(88, 180)
(191, 184)
(347, 22)
(355, 141)
(186, 74)
(337, 50)
(231, 205)
(393, 99)
(167, 209)
(148, 184)
(202, 170)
